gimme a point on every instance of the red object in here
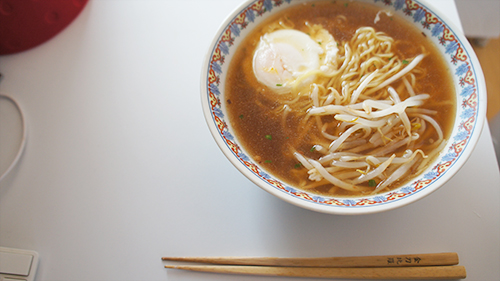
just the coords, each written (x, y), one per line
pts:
(25, 24)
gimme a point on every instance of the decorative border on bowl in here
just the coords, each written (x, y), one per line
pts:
(420, 14)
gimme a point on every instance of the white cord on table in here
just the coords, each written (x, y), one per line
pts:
(23, 140)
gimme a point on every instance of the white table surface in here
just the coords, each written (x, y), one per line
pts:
(120, 168)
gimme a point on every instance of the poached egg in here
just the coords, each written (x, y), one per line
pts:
(282, 57)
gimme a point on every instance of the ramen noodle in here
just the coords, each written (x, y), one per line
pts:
(340, 98)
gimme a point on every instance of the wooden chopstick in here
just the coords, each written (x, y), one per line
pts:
(421, 272)
(363, 261)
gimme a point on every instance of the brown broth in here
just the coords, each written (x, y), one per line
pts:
(261, 133)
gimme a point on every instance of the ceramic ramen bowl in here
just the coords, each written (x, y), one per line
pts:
(470, 94)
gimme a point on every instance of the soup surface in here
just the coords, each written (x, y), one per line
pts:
(293, 119)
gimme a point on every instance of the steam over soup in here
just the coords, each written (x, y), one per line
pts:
(340, 98)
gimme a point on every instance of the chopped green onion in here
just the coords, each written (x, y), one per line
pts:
(268, 161)
(269, 137)
(241, 116)
(372, 183)
(405, 62)
(279, 85)
(313, 149)
(298, 165)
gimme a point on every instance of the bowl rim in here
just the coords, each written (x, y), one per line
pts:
(462, 156)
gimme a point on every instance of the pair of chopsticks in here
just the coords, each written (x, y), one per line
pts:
(415, 266)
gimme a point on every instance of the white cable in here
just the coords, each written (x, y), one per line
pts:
(23, 139)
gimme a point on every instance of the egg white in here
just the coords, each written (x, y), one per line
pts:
(282, 57)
